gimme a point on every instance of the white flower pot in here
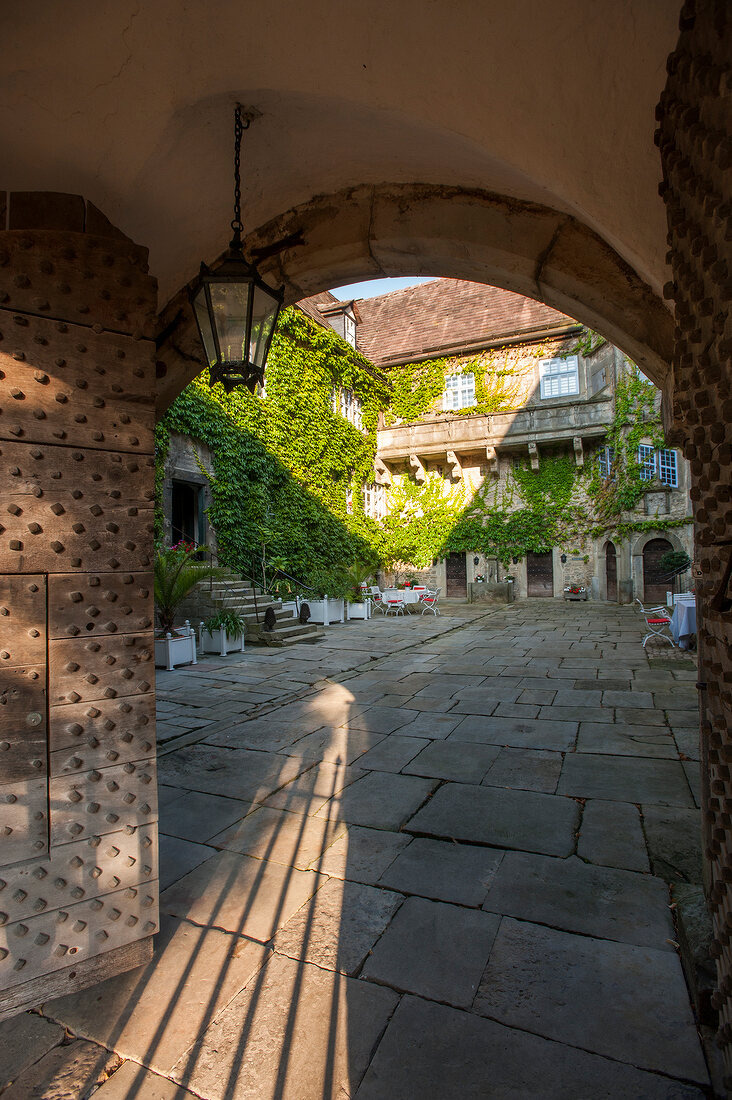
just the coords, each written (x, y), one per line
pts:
(220, 642)
(326, 611)
(176, 649)
(359, 609)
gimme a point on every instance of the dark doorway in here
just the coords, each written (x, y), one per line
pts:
(611, 572)
(655, 584)
(540, 574)
(184, 509)
(457, 575)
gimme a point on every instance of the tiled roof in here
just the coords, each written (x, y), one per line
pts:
(310, 305)
(446, 315)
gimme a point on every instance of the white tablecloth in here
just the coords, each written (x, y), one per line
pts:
(683, 622)
(405, 594)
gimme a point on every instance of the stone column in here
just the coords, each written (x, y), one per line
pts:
(78, 811)
(695, 139)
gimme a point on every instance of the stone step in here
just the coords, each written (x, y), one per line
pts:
(299, 634)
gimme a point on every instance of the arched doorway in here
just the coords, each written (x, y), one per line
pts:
(654, 585)
(611, 572)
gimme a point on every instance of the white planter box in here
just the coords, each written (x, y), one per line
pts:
(291, 605)
(360, 609)
(220, 642)
(176, 649)
(326, 611)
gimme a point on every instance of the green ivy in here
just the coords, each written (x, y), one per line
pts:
(283, 464)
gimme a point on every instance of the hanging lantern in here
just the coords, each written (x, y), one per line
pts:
(236, 312)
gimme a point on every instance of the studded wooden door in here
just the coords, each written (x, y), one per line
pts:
(611, 572)
(655, 579)
(78, 811)
(539, 575)
(456, 575)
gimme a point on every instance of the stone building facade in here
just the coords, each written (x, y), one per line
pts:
(488, 384)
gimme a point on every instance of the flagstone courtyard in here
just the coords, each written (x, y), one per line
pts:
(425, 858)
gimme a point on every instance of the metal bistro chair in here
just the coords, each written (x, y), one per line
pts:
(429, 600)
(658, 623)
(377, 599)
(395, 606)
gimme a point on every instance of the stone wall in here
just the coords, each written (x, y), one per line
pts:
(695, 139)
(78, 881)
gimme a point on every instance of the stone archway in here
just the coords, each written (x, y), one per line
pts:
(411, 229)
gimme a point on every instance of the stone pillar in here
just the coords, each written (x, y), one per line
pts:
(695, 139)
(78, 863)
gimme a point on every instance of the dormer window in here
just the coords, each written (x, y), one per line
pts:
(459, 392)
(342, 317)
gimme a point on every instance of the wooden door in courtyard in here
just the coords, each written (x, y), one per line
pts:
(457, 575)
(540, 574)
(655, 584)
(611, 572)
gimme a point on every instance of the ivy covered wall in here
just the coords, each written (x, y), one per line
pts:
(285, 465)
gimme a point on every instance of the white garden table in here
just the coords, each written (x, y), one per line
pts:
(683, 621)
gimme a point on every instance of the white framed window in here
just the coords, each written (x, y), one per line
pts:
(605, 459)
(459, 391)
(349, 406)
(647, 462)
(667, 468)
(559, 377)
(374, 500)
(349, 502)
(349, 329)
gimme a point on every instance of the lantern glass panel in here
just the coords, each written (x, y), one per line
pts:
(231, 303)
(264, 312)
(200, 306)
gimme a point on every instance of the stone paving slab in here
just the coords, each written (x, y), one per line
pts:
(257, 733)
(626, 740)
(297, 1032)
(432, 1052)
(334, 745)
(236, 773)
(436, 950)
(687, 740)
(461, 761)
(133, 1082)
(69, 1072)
(380, 800)
(24, 1040)
(521, 733)
(178, 857)
(313, 788)
(616, 905)
(362, 855)
(634, 1007)
(500, 818)
(338, 927)
(280, 836)
(154, 1013)
(392, 754)
(198, 817)
(611, 835)
(246, 896)
(673, 843)
(526, 769)
(444, 871)
(432, 725)
(625, 780)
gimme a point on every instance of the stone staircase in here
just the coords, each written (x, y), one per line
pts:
(231, 593)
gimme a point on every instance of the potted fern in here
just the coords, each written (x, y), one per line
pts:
(223, 633)
(176, 573)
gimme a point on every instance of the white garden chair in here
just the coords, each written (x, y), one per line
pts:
(429, 601)
(395, 605)
(658, 623)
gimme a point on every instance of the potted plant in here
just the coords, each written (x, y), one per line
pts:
(223, 633)
(176, 572)
(358, 602)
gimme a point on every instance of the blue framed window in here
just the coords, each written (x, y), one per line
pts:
(559, 377)
(647, 462)
(605, 459)
(667, 468)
